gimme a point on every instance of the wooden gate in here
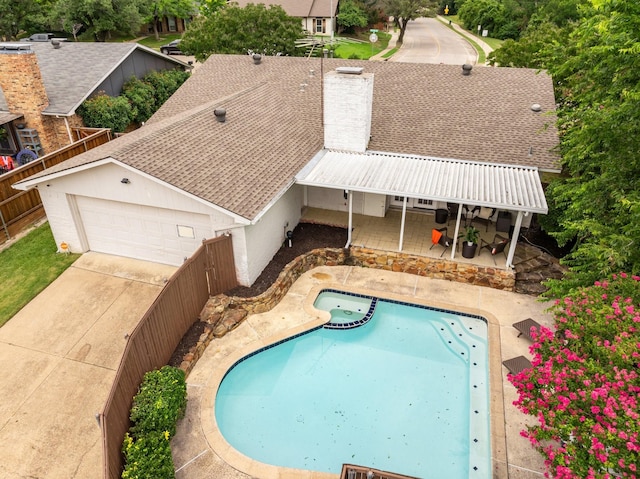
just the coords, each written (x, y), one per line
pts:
(220, 265)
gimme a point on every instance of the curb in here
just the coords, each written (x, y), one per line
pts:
(468, 35)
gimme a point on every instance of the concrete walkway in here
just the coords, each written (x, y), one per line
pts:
(200, 451)
(59, 357)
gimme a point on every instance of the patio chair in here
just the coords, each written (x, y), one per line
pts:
(497, 246)
(484, 215)
(440, 237)
(524, 327)
(469, 213)
(517, 364)
(452, 208)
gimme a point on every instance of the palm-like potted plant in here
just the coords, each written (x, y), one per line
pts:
(471, 235)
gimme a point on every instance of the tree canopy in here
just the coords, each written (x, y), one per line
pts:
(351, 15)
(21, 15)
(595, 64)
(170, 8)
(101, 18)
(235, 30)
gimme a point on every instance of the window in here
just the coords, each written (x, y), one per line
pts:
(6, 142)
(186, 231)
(319, 25)
(420, 202)
(172, 23)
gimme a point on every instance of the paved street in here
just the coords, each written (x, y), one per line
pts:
(427, 40)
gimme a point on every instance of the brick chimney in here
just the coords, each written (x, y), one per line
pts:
(348, 103)
(21, 83)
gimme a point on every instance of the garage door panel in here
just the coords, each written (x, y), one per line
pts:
(141, 232)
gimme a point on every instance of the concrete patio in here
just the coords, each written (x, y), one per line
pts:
(384, 233)
(200, 451)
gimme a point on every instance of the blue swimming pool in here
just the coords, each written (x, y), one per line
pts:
(405, 388)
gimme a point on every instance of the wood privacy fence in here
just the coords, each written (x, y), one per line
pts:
(19, 209)
(209, 271)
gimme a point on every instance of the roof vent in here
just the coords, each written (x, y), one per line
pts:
(466, 69)
(257, 58)
(536, 107)
(220, 114)
(350, 70)
(55, 43)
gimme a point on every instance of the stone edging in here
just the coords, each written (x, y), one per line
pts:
(224, 313)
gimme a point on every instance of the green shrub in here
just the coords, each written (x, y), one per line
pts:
(105, 111)
(160, 402)
(148, 456)
(165, 83)
(139, 100)
(142, 97)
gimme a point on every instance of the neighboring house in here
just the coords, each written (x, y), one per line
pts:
(317, 16)
(167, 24)
(42, 85)
(361, 143)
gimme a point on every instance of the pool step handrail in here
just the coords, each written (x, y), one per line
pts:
(352, 471)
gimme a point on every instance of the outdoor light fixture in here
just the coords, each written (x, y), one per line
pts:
(125, 181)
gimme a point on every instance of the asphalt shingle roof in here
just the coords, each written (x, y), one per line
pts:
(294, 8)
(274, 125)
(71, 73)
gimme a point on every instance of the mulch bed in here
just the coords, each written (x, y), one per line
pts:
(306, 237)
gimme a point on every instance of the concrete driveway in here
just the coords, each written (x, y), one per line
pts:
(59, 356)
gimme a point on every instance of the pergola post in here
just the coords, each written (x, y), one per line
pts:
(404, 214)
(350, 226)
(514, 239)
(455, 233)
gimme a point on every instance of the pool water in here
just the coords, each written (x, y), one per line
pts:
(407, 392)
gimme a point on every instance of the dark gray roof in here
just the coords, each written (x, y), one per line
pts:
(74, 71)
(274, 127)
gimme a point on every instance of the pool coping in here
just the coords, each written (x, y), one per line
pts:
(254, 468)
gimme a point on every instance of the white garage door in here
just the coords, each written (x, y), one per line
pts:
(142, 232)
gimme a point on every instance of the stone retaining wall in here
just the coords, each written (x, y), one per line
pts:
(224, 313)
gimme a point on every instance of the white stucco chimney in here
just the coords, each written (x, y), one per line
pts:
(348, 102)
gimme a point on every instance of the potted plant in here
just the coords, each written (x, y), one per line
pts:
(470, 236)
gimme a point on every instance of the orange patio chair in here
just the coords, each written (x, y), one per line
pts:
(440, 237)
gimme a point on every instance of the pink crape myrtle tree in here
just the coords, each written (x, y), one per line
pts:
(584, 385)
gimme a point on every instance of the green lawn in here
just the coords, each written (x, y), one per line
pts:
(365, 50)
(151, 41)
(27, 267)
(494, 43)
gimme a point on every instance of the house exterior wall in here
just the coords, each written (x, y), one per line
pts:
(104, 182)
(265, 238)
(24, 92)
(309, 24)
(138, 64)
(369, 204)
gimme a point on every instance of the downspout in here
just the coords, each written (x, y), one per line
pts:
(404, 214)
(66, 123)
(516, 235)
(455, 233)
(350, 226)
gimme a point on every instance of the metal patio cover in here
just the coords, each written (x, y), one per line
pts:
(509, 187)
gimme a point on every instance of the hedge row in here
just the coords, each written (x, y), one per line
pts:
(160, 402)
